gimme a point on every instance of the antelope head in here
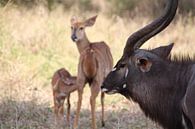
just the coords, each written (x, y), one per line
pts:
(136, 63)
(78, 27)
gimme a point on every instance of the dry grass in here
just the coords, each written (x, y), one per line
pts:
(33, 44)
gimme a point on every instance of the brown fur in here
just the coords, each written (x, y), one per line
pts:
(89, 63)
(62, 85)
(95, 63)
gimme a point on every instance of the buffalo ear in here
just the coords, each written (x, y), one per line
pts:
(144, 64)
(163, 51)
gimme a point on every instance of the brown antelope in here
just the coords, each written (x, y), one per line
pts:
(95, 63)
(62, 84)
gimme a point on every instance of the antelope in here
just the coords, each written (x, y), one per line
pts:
(164, 87)
(95, 62)
(63, 84)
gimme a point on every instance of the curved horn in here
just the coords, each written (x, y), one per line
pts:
(138, 38)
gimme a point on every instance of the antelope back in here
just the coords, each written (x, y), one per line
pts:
(63, 82)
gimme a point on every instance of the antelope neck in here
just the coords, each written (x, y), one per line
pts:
(82, 44)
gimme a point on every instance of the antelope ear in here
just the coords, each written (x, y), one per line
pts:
(68, 81)
(73, 20)
(143, 64)
(163, 51)
(90, 21)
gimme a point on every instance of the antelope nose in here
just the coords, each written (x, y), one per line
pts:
(103, 89)
(74, 37)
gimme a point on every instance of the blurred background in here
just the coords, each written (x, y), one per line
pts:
(35, 42)
(125, 8)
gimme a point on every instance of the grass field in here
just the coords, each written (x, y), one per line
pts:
(35, 43)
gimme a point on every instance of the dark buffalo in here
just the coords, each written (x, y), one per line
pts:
(163, 87)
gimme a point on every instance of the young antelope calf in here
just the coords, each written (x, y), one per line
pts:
(62, 84)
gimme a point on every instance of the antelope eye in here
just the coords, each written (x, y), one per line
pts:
(122, 65)
(81, 28)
